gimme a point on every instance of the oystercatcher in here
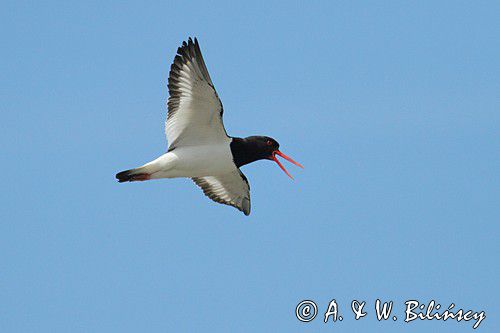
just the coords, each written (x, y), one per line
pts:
(198, 145)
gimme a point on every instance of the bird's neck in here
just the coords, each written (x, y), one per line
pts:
(244, 151)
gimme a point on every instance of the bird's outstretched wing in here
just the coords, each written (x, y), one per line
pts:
(229, 189)
(194, 108)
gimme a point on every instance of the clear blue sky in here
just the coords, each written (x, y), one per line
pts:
(392, 107)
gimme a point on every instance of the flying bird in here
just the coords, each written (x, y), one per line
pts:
(198, 144)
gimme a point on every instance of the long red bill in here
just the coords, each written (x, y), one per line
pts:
(289, 159)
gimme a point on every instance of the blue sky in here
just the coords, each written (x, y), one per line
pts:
(392, 107)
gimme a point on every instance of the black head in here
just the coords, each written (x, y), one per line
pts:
(263, 147)
(254, 148)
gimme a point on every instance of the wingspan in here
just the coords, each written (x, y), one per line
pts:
(194, 108)
(229, 189)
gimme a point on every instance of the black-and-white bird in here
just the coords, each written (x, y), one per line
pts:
(198, 145)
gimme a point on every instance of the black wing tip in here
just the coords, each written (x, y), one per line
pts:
(245, 205)
(187, 51)
(191, 43)
(190, 49)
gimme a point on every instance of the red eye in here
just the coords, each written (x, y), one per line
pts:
(269, 143)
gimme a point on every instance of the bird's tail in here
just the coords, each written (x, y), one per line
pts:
(132, 175)
(155, 169)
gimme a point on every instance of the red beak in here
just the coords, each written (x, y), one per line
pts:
(289, 159)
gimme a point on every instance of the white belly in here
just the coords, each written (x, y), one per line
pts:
(195, 161)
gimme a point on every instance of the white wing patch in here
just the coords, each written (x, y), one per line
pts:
(194, 108)
(229, 189)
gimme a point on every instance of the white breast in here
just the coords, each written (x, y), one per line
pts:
(194, 161)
